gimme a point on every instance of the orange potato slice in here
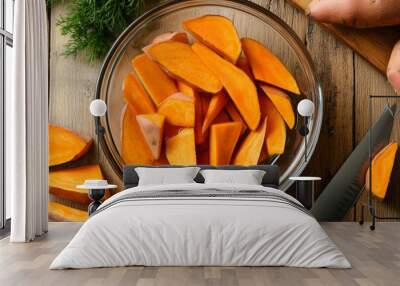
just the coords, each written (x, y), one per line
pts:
(250, 149)
(152, 127)
(161, 161)
(217, 103)
(171, 36)
(244, 65)
(218, 33)
(382, 166)
(66, 146)
(221, 118)
(239, 86)
(136, 95)
(275, 137)
(282, 103)
(63, 182)
(170, 130)
(235, 116)
(181, 149)
(60, 212)
(198, 120)
(178, 110)
(267, 67)
(198, 106)
(223, 139)
(134, 149)
(186, 88)
(155, 80)
(180, 61)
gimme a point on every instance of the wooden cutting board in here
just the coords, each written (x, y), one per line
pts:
(375, 44)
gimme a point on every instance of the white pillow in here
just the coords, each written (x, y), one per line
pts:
(248, 177)
(166, 176)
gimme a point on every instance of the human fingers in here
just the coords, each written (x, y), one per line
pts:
(356, 13)
(393, 70)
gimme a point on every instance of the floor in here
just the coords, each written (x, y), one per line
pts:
(375, 257)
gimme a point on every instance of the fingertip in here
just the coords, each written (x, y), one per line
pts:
(394, 78)
(393, 70)
(322, 11)
(310, 10)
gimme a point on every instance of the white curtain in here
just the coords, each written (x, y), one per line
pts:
(26, 123)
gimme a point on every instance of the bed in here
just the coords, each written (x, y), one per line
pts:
(197, 224)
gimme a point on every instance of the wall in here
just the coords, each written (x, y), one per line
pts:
(346, 79)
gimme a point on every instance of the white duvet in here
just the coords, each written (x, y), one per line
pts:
(200, 231)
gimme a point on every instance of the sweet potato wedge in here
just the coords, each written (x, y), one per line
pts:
(382, 166)
(221, 118)
(201, 104)
(136, 95)
(162, 161)
(239, 86)
(281, 102)
(198, 106)
(155, 80)
(198, 120)
(235, 116)
(217, 103)
(266, 67)
(181, 149)
(250, 149)
(244, 65)
(180, 61)
(62, 183)
(134, 149)
(186, 88)
(60, 212)
(178, 110)
(275, 135)
(152, 127)
(218, 33)
(223, 139)
(171, 36)
(170, 130)
(65, 145)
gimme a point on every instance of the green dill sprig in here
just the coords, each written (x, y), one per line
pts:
(93, 25)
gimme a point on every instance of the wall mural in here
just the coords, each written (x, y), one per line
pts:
(197, 96)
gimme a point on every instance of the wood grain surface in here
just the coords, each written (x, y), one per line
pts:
(335, 68)
(72, 88)
(346, 78)
(374, 44)
(367, 82)
(375, 258)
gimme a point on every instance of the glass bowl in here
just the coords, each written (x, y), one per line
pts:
(251, 21)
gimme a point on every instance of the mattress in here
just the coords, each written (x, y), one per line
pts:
(201, 225)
